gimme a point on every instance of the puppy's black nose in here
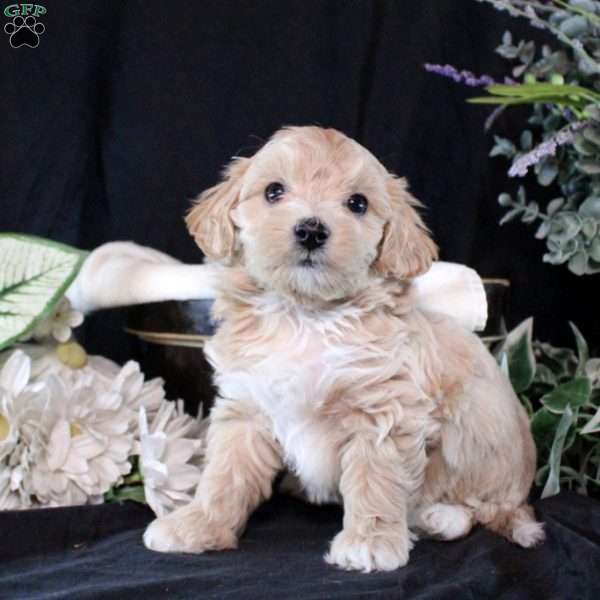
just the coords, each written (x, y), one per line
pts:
(311, 233)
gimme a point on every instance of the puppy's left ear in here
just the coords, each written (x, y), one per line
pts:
(209, 219)
(406, 248)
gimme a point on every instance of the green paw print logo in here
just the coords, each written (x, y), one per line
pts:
(24, 28)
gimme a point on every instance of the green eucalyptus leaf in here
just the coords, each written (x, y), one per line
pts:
(552, 485)
(518, 71)
(582, 146)
(526, 140)
(503, 147)
(526, 53)
(589, 166)
(511, 214)
(554, 205)
(564, 226)
(587, 5)
(595, 249)
(578, 263)
(583, 352)
(531, 213)
(589, 228)
(590, 207)
(519, 351)
(546, 173)
(571, 394)
(574, 26)
(543, 230)
(34, 275)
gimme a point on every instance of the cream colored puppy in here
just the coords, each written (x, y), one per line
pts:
(324, 366)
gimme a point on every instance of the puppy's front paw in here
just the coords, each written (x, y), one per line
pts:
(377, 552)
(188, 530)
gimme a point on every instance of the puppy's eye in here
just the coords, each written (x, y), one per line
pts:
(274, 191)
(358, 204)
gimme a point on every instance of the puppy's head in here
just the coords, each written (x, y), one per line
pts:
(313, 214)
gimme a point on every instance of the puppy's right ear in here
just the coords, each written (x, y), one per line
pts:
(209, 220)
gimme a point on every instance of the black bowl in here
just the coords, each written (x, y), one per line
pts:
(171, 338)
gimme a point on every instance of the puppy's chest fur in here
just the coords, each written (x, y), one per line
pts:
(298, 366)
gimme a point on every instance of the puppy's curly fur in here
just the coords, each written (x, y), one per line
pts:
(324, 366)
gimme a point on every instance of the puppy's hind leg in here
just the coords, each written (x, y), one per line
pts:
(445, 521)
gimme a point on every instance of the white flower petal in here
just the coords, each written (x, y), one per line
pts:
(74, 318)
(58, 445)
(183, 477)
(87, 446)
(153, 446)
(15, 373)
(61, 332)
(75, 464)
(106, 469)
(179, 451)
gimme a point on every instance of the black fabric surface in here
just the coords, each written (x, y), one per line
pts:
(126, 110)
(97, 552)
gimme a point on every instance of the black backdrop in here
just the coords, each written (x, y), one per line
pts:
(127, 109)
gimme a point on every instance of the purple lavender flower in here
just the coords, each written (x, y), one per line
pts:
(465, 77)
(546, 148)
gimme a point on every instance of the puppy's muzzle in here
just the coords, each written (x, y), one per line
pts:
(311, 233)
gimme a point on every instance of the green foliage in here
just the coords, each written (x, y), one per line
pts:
(132, 487)
(562, 85)
(560, 389)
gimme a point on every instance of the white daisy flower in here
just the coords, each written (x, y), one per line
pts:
(59, 322)
(167, 456)
(82, 446)
(21, 404)
(13, 473)
(20, 401)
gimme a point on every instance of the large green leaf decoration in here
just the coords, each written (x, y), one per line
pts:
(572, 393)
(519, 351)
(34, 275)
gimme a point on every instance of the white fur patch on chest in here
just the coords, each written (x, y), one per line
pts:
(301, 358)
